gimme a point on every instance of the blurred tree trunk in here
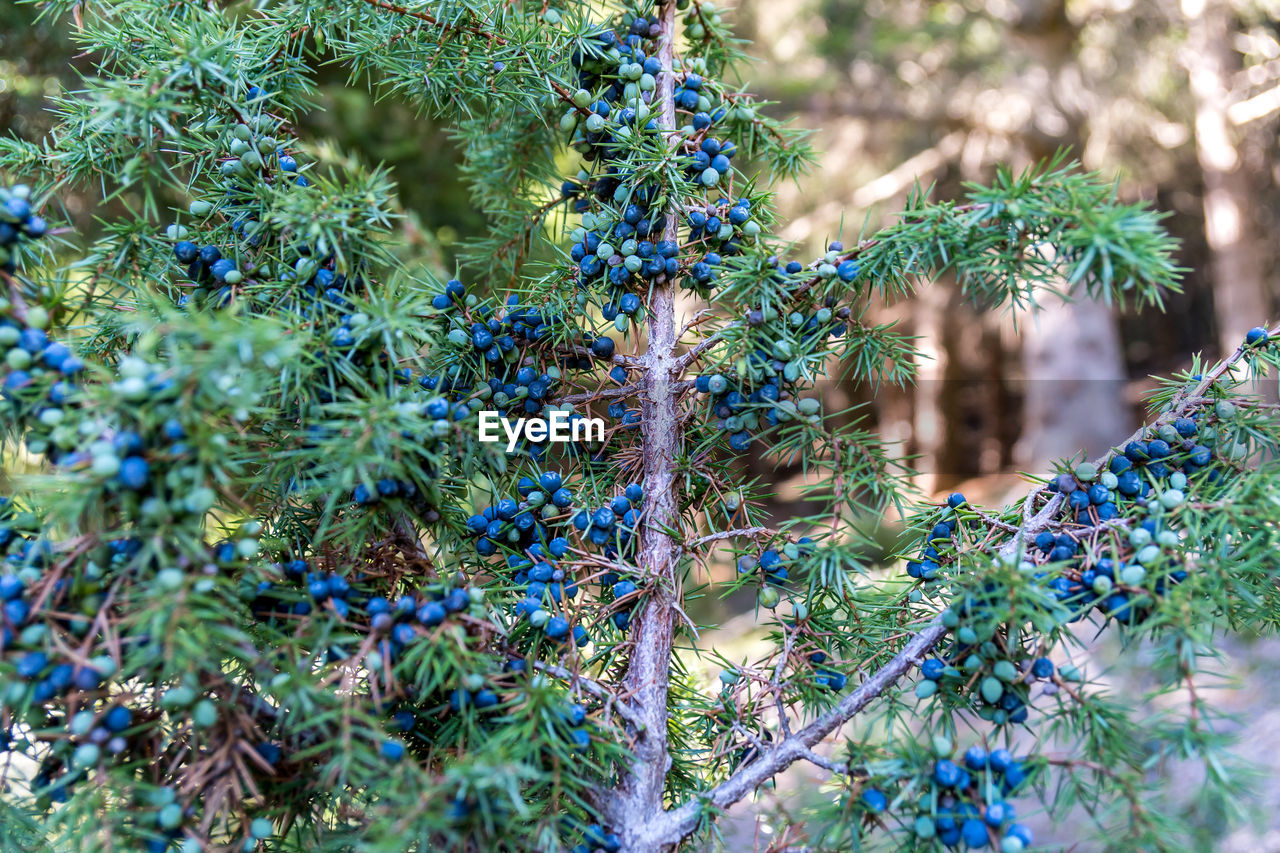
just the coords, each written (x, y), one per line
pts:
(1072, 362)
(1075, 383)
(1236, 255)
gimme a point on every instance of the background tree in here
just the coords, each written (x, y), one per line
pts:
(899, 92)
(267, 589)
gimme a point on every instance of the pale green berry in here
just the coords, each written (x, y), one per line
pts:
(1133, 576)
(205, 714)
(86, 755)
(106, 465)
(81, 723)
(37, 318)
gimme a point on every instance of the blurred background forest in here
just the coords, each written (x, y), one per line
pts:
(1179, 101)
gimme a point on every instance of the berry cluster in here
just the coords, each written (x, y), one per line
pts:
(68, 430)
(768, 393)
(611, 527)
(38, 372)
(18, 222)
(534, 531)
(253, 155)
(620, 245)
(960, 803)
(511, 360)
(771, 564)
(47, 680)
(520, 523)
(1114, 551)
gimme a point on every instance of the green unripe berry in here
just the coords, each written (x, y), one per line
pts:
(1086, 472)
(1005, 671)
(170, 579)
(1133, 576)
(205, 714)
(106, 465)
(200, 501)
(177, 697)
(170, 817)
(1070, 673)
(86, 755)
(18, 358)
(81, 723)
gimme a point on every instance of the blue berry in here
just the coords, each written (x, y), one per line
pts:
(946, 773)
(392, 750)
(875, 800)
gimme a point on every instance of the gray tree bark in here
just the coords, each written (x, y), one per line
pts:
(1073, 372)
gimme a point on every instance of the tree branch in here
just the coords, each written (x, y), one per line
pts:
(635, 807)
(684, 820)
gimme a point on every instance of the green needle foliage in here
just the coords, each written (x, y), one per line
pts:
(264, 585)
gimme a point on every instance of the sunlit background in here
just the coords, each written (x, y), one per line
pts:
(1178, 102)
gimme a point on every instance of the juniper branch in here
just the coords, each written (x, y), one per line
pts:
(787, 749)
